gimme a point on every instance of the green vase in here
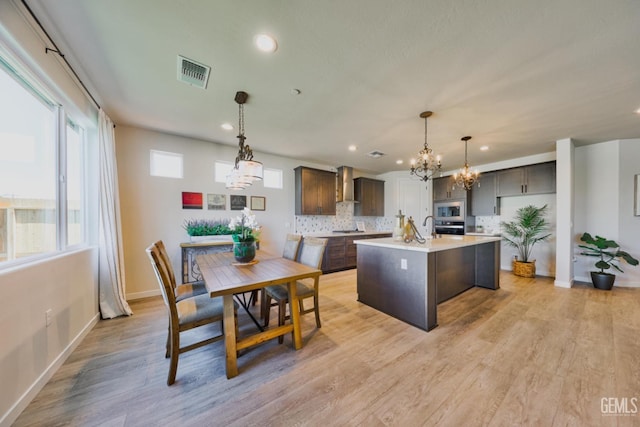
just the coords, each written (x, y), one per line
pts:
(244, 251)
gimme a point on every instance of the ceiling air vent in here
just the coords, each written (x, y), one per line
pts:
(376, 154)
(192, 72)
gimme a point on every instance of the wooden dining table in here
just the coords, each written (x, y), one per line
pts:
(224, 277)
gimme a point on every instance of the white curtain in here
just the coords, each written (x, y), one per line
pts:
(112, 287)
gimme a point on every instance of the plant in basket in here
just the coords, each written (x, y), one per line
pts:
(527, 229)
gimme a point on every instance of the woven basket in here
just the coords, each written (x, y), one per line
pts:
(524, 269)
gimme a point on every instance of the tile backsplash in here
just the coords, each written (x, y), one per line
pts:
(343, 220)
(489, 223)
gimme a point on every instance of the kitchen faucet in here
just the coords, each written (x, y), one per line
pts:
(433, 225)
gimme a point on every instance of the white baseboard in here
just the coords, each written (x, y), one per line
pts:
(563, 284)
(145, 294)
(24, 400)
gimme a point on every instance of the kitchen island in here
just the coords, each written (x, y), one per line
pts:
(408, 280)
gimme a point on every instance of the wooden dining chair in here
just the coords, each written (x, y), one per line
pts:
(311, 254)
(290, 251)
(182, 290)
(184, 315)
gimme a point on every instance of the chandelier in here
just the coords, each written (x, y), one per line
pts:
(427, 164)
(246, 170)
(466, 177)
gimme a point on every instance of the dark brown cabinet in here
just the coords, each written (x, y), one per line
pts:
(445, 189)
(534, 179)
(342, 254)
(315, 191)
(370, 195)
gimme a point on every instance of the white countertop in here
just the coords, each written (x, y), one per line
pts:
(431, 245)
(351, 234)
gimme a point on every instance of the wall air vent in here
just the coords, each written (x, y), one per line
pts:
(376, 154)
(192, 72)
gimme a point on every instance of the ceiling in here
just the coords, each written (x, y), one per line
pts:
(515, 75)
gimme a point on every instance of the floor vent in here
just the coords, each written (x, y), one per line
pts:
(192, 72)
(376, 154)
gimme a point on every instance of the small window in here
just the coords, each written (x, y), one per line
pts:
(166, 164)
(272, 178)
(222, 169)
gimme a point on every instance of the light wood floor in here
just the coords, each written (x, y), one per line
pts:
(527, 354)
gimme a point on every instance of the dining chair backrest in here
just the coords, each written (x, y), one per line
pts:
(291, 246)
(312, 251)
(162, 274)
(167, 262)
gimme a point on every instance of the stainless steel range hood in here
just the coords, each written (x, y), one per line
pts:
(345, 184)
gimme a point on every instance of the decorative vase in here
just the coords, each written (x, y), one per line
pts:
(602, 281)
(244, 251)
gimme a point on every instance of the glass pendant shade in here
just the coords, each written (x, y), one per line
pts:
(235, 181)
(250, 169)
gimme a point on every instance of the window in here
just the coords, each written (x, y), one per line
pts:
(164, 163)
(222, 169)
(34, 208)
(272, 178)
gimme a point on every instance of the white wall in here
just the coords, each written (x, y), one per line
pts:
(151, 207)
(628, 223)
(29, 351)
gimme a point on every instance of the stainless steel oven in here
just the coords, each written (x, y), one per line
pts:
(449, 227)
(449, 211)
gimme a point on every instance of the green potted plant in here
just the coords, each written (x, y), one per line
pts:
(245, 235)
(609, 255)
(528, 228)
(203, 229)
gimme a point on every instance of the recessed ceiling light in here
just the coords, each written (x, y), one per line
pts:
(352, 148)
(484, 148)
(399, 162)
(227, 126)
(266, 43)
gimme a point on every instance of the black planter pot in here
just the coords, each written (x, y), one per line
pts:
(602, 281)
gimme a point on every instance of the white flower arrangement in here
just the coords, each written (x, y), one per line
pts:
(246, 228)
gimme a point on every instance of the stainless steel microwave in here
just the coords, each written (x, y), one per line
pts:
(449, 211)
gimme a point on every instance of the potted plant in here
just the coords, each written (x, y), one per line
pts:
(609, 255)
(245, 234)
(528, 228)
(207, 229)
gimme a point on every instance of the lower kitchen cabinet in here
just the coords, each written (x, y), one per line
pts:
(341, 252)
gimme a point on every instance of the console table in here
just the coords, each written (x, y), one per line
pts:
(190, 270)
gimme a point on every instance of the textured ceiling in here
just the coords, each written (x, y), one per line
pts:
(515, 75)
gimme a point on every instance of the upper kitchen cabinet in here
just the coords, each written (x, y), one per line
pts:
(533, 179)
(315, 191)
(484, 200)
(444, 189)
(370, 195)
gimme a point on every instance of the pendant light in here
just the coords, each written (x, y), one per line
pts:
(466, 177)
(427, 163)
(246, 170)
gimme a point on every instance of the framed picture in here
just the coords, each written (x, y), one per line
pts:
(216, 202)
(237, 202)
(191, 200)
(258, 203)
(636, 203)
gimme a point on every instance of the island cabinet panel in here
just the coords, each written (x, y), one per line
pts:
(402, 293)
(370, 195)
(533, 179)
(315, 191)
(484, 198)
(445, 189)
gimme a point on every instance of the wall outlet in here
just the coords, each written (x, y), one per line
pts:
(47, 317)
(403, 264)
